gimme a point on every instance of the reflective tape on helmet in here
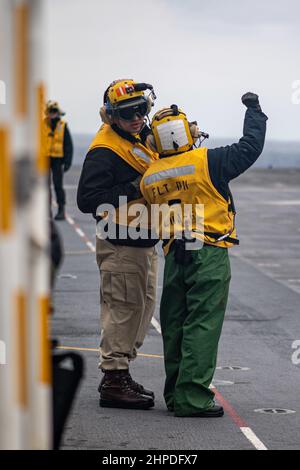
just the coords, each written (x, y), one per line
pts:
(170, 173)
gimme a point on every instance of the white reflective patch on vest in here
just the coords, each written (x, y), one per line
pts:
(139, 152)
(170, 132)
(170, 173)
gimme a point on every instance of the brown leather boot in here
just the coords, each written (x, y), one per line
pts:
(140, 388)
(135, 385)
(116, 391)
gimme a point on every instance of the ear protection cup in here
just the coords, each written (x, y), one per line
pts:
(104, 110)
(104, 116)
(150, 142)
(150, 103)
(195, 131)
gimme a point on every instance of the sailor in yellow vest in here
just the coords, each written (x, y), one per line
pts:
(59, 148)
(196, 278)
(116, 160)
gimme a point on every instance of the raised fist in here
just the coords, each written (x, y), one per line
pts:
(250, 100)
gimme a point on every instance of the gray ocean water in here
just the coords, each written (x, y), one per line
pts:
(276, 154)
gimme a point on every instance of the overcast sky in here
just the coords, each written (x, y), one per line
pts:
(201, 55)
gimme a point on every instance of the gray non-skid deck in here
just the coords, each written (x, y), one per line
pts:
(262, 322)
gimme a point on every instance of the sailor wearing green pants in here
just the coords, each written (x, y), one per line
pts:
(196, 281)
(192, 311)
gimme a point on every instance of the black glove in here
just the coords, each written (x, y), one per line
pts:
(66, 167)
(250, 100)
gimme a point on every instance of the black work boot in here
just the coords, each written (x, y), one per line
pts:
(60, 213)
(135, 385)
(116, 391)
(214, 412)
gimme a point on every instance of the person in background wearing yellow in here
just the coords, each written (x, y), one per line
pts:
(59, 147)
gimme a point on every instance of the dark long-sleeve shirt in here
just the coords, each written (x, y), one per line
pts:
(104, 178)
(226, 163)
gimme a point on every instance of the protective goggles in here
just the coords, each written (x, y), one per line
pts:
(129, 112)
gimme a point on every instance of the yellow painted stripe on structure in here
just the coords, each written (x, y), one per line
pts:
(21, 19)
(6, 182)
(42, 159)
(22, 349)
(73, 348)
(45, 363)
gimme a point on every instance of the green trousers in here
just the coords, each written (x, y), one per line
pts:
(192, 311)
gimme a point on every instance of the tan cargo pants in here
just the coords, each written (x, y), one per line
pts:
(127, 296)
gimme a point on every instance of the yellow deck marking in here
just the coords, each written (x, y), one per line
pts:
(73, 348)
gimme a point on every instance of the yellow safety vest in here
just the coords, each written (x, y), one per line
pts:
(136, 155)
(55, 139)
(184, 179)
